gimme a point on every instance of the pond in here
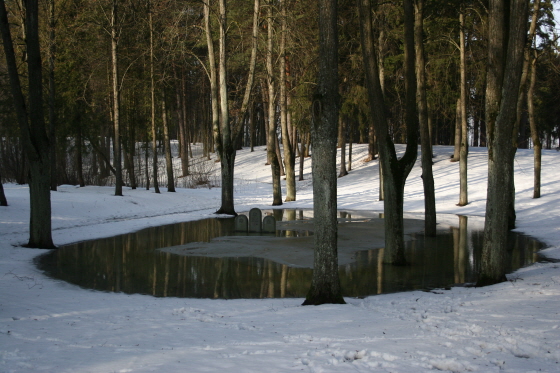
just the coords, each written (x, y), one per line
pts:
(206, 259)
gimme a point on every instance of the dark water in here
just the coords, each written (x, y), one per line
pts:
(131, 264)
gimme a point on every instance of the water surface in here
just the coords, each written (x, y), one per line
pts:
(131, 263)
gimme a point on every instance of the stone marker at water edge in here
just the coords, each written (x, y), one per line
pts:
(269, 224)
(255, 221)
(241, 223)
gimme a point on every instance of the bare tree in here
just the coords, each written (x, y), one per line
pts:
(32, 123)
(395, 171)
(425, 139)
(463, 193)
(507, 33)
(116, 99)
(325, 286)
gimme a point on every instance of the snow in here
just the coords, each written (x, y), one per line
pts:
(47, 325)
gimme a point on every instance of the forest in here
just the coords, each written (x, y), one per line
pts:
(159, 51)
(110, 84)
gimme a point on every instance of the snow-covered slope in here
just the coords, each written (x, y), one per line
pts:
(51, 326)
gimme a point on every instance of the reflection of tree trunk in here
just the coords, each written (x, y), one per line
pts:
(380, 256)
(460, 241)
(270, 279)
(166, 280)
(154, 279)
(263, 282)
(290, 214)
(283, 281)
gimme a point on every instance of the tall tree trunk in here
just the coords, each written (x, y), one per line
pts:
(272, 139)
(153, 103)
(52, 92)
(183, 132)
(116, 101)
(395, 171)
(79, 158)
(147, 162)
(168, 157)
(537, 145)
(325, 285)
(301, 158)
(32, 124)
(3, 200)
(422, 103)
(289, 159)
(342, 143)
(457, 139)
(505, 63)
(212, 76)
(225, 147)
(463, 193)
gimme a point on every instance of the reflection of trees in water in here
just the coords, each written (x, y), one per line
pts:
(129, 264)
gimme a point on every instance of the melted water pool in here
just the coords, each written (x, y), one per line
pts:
(132, 264)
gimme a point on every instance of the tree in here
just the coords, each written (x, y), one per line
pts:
(425, 138)
(153, 100)
(289, 158)
(52, 91)
(325, 285)
(507, 33)
(168, 157)
(395, 171)
(463, 193)
(32, 123)
(3, 200)
(116, 99)
(272, 138)
(226, 132)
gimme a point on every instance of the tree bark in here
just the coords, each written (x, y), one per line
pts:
(342, 143)
(168, 157)
(422, 104)
(537, 145)
(505, 63)
(395, 171)
(272, 139)
(52, 93)
(325, 285)
(116, 101)
(32, 124)
(225, 146)
(463, 193)
(457, 140)
(3, 200)
(153, 103)
(289, 159)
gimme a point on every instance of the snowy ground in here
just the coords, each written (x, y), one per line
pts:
(51, 326)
